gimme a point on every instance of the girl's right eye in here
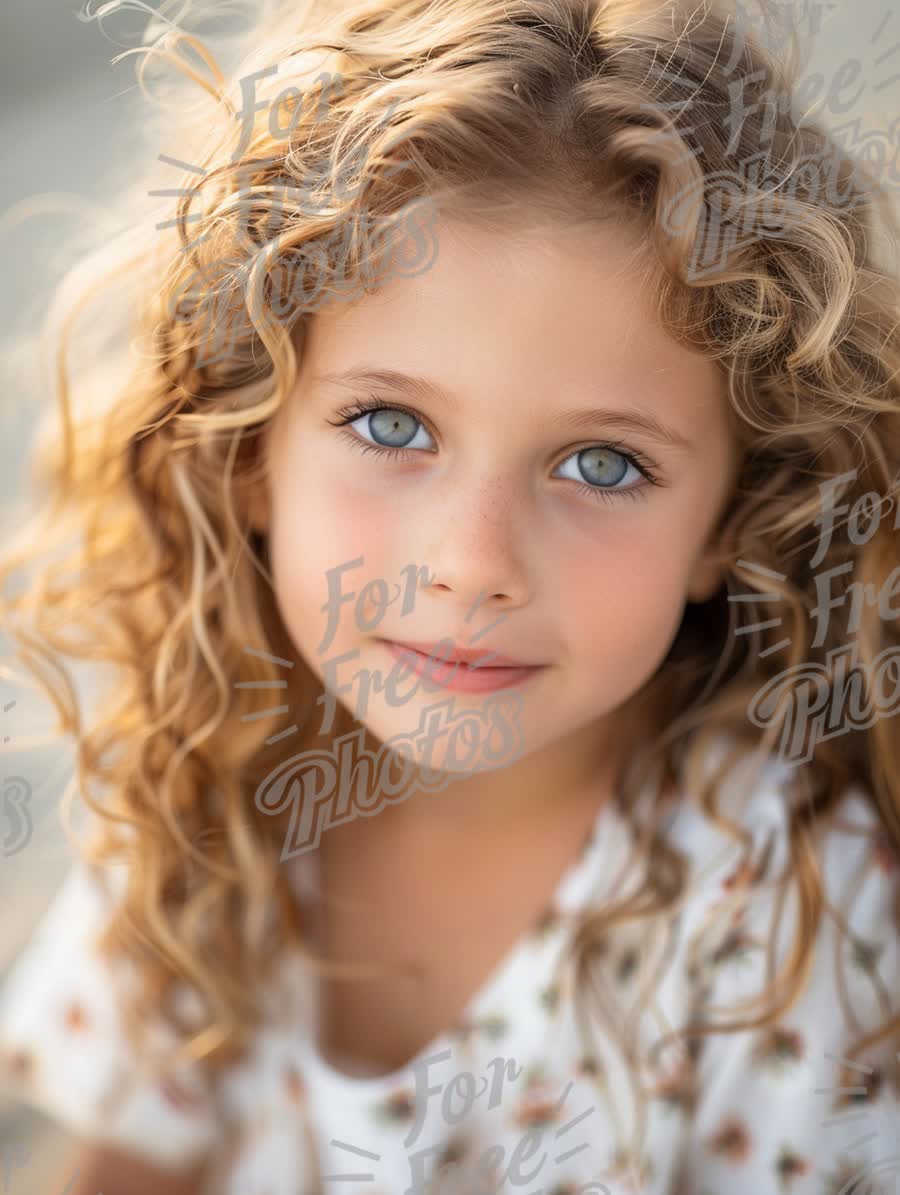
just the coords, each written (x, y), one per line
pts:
(393, 429)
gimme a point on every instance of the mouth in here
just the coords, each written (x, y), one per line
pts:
(468, 658)
(484, 672)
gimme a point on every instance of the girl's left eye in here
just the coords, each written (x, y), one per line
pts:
(394, 429)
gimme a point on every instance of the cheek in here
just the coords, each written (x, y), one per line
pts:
(623, 597)
(319, 528)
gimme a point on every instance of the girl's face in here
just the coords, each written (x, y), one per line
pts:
(516, 470)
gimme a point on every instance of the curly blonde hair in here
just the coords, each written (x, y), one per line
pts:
(573, 107)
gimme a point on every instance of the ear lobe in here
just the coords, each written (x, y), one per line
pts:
(702, 592)
(711, 566)
(707, 578)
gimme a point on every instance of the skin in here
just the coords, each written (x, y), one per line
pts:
(516, 327)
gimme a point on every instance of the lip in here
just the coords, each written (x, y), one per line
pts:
(470, 656)
(457, 676)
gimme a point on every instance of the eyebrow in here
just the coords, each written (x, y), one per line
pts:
(575, 420)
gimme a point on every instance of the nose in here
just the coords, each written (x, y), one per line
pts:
(475, 553)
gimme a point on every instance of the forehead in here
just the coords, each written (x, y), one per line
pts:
(529, 307)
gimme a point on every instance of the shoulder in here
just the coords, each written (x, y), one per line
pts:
(793, 961)
(63, 1047)
(751, 826)
(64, 941)
(756, 901)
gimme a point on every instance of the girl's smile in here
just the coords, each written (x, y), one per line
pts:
(458, 676)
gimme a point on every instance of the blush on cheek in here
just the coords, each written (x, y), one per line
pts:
(625, 606)
(324, 560)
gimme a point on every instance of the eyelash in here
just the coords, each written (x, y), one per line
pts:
(366, 407)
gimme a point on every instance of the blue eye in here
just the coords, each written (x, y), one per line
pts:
(392, 427)
(602, 465)
(394, 434)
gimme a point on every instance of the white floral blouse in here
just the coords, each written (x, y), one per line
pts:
(511, 1096)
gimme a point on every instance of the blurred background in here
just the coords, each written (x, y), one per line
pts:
(63, 117)
(66, 115)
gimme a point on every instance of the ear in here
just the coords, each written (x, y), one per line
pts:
(707, 577)
(711, 567)
(709, 570)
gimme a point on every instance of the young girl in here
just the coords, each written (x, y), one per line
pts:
(460, 818)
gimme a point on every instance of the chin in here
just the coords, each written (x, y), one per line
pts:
(451, 738)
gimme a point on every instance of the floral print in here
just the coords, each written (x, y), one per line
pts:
(731, 1140)
(778, 1047)
(512, 1092)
